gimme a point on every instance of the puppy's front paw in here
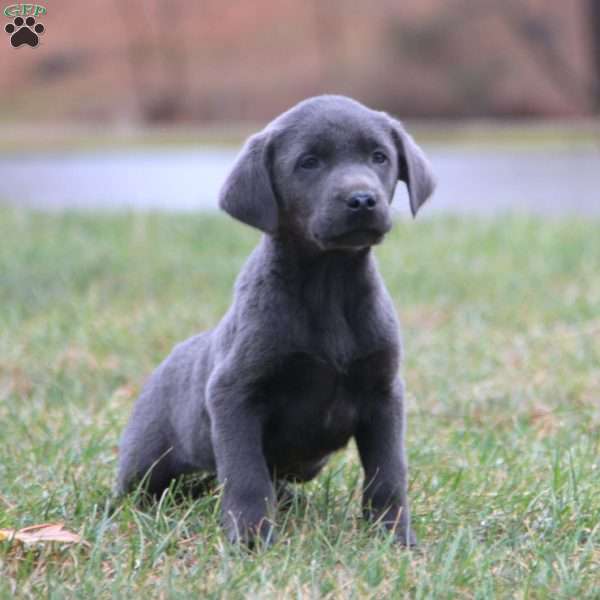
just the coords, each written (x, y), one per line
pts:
(246, 521)
(396, 521)
(253, 535)
(405, 536)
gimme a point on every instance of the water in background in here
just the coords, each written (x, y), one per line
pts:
(470, 181)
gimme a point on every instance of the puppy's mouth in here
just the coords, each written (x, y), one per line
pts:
(357, 238)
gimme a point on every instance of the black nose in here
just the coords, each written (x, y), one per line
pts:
(361, 201)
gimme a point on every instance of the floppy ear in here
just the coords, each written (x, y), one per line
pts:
(414, 168)
(247, 194)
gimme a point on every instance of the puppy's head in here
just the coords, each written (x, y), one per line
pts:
(326, 171)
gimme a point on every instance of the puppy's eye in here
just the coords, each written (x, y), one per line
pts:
(309, 162)
(379, 157)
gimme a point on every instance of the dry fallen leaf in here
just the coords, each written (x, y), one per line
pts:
(47, 532)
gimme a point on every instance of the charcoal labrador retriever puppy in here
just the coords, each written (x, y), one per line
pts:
(307, 356)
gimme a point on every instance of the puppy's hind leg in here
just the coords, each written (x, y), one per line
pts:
(148, 464)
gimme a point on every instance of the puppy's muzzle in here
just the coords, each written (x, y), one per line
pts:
(358, 219)
(361, 201)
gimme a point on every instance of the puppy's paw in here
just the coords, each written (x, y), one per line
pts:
(252, 535)
(395, 522)
(247, 515)
(406, 537)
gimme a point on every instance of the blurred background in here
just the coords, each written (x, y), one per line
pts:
(143, 104)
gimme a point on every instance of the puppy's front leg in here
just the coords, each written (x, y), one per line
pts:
(380, 441)
(248, 494)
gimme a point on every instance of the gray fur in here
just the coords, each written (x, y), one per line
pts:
(307, 356)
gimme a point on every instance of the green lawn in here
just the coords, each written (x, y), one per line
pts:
(501, 325)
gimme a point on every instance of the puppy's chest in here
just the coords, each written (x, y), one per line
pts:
(332, 339)
(313, 408)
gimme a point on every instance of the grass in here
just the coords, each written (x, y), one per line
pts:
(502, 333)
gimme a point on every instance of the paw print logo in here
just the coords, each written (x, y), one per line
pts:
(24, 32)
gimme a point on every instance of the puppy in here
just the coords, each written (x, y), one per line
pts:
(307, 356)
